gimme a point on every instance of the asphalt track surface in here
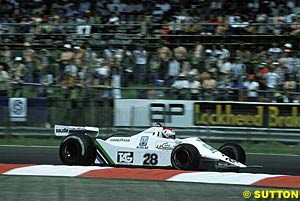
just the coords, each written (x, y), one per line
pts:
(272, 163)
(60, 188)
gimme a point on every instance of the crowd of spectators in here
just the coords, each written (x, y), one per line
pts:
(207, 73)
(165, 17)
(200, 72)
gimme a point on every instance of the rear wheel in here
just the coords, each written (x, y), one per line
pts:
(185, 157)
(234, 151)
(77, 149)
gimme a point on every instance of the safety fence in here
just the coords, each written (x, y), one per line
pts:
(266, 123)
(94, 92)
(149, 34)
(205, 133)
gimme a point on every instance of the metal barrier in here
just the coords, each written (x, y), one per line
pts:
(128, 33)
(100, 112)
(205, 133)
(103, 117)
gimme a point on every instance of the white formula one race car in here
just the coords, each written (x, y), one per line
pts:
(150, 148)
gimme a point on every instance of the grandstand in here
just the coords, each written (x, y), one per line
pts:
(139, 49)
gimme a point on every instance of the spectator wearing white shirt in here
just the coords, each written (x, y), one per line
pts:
(225, 53)
(180, 87)
(238, 25)
(282, 72)
(272, 80)
(108, 53)
(4, 81)
(114, 19)
(237, 68)
(46, 80)
(275, 51)
(173, 71)
(112, 23)
(195, 86)
(140, 55)
(83, 24)
(252, 86)
(71, 68)
(224, 65)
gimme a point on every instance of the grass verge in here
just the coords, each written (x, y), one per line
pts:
(30, 141)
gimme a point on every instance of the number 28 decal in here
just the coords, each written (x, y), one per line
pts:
(150, 159)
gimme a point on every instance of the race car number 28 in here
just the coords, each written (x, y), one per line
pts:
(150, 159)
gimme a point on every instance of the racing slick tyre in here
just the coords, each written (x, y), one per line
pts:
(185, 157)
(234, 151)
(77, 149)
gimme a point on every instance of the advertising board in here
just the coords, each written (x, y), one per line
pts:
(179, 113)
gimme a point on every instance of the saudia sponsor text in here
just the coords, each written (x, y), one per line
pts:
(62, 130)
(260, 116)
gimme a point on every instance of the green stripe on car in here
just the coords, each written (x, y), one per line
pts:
(104, 153)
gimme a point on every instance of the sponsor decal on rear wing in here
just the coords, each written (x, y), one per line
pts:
(61, 130)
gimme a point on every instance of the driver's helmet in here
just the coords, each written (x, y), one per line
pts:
(169, 133)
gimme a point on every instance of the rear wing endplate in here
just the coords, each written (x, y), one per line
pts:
(61, 130)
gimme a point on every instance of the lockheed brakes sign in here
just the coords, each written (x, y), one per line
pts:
(249, 115)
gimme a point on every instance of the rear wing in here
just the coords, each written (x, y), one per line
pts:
(61, 130)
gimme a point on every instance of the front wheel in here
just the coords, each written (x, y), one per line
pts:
(185, 157)
(77, 149)
(234, 151)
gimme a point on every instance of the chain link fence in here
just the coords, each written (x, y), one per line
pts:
(102, 115)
